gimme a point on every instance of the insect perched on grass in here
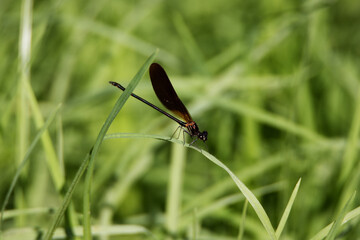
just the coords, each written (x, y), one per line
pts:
(168, 97)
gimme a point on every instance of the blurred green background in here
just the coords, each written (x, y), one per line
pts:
(275, 84)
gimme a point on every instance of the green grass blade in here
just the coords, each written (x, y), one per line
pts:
(285, 216)
(206, 210)
(60, 212)
(28, 97)
(349, 216)
(247, 193)
(118, 105)
(243, 219)
(337, 224)
(25, 160)
(220, 188)
(55, 169)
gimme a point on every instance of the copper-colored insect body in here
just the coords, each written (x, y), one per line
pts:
(168, 97)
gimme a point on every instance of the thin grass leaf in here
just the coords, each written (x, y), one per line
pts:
(60, 212)
(247, 193)
(28, 96)
(211, 193)
(206, 210)
(337, 224)
(286, 213)
(23, 113)
(53, 164)
(118, 105)
(349, 216)
(243, 219)
(25, 160)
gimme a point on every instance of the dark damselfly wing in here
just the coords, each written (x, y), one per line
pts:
(166, 92)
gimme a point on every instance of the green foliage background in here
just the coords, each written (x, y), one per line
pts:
(275, 83)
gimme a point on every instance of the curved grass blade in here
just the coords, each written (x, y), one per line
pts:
(349, 216)
(242, 187)
(337, 224)
(118, 105)
(247, 193)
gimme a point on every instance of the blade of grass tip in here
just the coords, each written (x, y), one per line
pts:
(25, 160)
(264, 218)
(60, 212)
(352, 214)
(336, 226)
(243, 218)
(349, 216)
(118, 105)
(286, 213)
